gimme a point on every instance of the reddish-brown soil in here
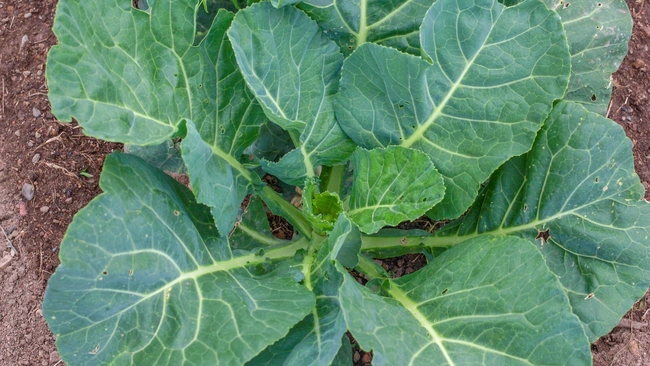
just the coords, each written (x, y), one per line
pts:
(37, 150)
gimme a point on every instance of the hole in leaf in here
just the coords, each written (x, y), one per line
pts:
(349, 47)
(424, 199)
(130, 272)
(597, 27)
(599, 5)
(176, 213)
(400, 106)
(596, 180)
(567, 5)
(543, 236)
(445, 291)
(200, 85)
(593, 97)
(104, 273)
(525, 207)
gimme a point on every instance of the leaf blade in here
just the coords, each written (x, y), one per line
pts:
(472, 92)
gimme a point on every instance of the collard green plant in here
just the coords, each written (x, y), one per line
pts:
(483, 113)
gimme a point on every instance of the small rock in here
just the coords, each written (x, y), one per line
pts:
(30, 143)
(36, 112)
(28, 191)
(367, 358)
(37, 135)
(54, 356)
(22, 208)
(68, 200)
(27, 15)
(24, 41)
(356, 356)
(5, 261)
(17, 133)
(45, 209)
(36, 158)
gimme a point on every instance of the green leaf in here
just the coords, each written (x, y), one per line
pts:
(598, 33)
(351, 23)
(495, 74)
(577, 183)
(321, 209)
(127, 75)
(489, 301)
(146, 279)
(316, 340)
(166, 156)
(254, 230)
(294, 70)
(392, 185)
(212, 150)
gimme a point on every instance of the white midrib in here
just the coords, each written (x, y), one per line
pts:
(412, 308)
(419, 132)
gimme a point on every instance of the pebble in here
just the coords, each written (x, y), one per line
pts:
(36, 112)
(68, 200)
(54, 356)
(36, 158)
(27, 15)
(22, 208)
(28, 191)
(23, 41)
(17, 133)
(37, 135)
(30, 143)
(45, 209)
(5, 261)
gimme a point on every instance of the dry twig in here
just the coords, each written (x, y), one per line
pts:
(13, 249)
(64, 170)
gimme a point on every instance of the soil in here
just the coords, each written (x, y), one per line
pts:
(46, 157)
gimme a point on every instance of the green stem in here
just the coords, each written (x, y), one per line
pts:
(402, 241)
(279, 206)
(370, 268)
(332, 178)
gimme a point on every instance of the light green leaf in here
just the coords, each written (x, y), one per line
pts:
(316, 340)
(294, 70)
(351, 23)
(166, 156)
(392, 185)
(253, 231)
(598, 33)
(495, 74)
(132, 80)
(490, 301)
(577, 182)
(146, 279)
(213, 149)
(321, 209)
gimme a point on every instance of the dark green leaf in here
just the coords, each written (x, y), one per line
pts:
(146, 279)
(489, 301)
(575, 195)
(293, 69)
(495, 74)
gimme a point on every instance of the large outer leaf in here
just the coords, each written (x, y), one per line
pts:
(125, 74)
(131, 76)
(485, 302)
(495, 74)
(350, 23)
(598, 33)
(392, 185)
(578, 182)
(293, 69)
(145, 279)
(317, 339)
